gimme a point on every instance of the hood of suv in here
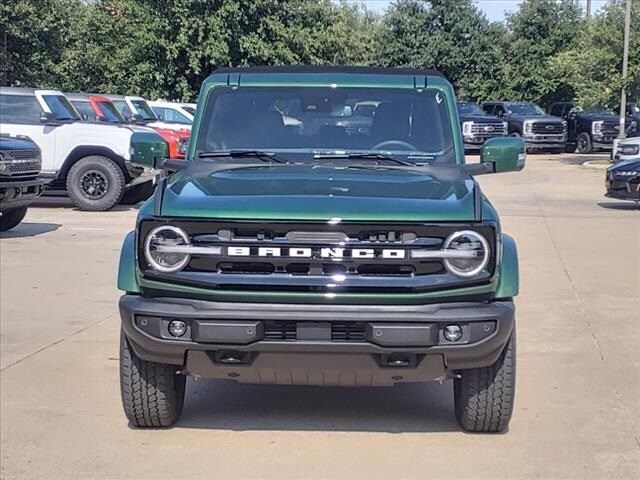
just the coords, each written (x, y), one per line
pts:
(318, 193)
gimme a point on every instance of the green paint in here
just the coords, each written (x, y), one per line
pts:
(506, 153)
(146, 147)
(508, 282)
(127, 274)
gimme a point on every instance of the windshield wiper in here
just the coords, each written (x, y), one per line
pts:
(264, 156)
(361, 156)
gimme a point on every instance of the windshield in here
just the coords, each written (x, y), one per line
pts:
(525, 109)
(465, 108)
(60, 107)
(110, 112)
(143, 109)
(311, 120)
(122, 108)
(598, 110)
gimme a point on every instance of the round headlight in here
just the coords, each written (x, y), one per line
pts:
(161, 252)
(474, 253)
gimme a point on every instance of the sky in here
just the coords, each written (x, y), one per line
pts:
(494, 9)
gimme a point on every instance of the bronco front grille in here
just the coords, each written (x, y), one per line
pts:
(318, 257)
(20, 162)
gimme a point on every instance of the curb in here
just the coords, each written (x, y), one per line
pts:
(596, 165)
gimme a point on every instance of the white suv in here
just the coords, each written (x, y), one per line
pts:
(138, 110)
(174, 112)
(95, 163)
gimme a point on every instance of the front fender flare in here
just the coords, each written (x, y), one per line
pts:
(127, 279)
(509, 274)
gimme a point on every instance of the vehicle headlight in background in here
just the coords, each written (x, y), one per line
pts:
(564, 125)
(162, 249)
(466, 128)
(596, 127)
(628, 173)
(505, 127)
(474, 253)
(628, 149)
(528, 127)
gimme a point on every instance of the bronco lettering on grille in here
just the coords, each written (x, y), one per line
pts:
(307, 252)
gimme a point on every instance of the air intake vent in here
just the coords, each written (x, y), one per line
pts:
(347, 332)
(280, 331)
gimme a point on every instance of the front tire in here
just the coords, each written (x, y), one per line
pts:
(584, 143)
(152, 393)
(484, 396)
(11, 218)
(95, 183)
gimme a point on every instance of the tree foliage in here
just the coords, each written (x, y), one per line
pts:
(543, 52)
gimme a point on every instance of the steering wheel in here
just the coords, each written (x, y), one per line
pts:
(394, 142)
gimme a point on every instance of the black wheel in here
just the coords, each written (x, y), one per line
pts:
(484, 396)
(584, 143)
(11, 218)
(95, 183)
(152, 393)
(138, 193)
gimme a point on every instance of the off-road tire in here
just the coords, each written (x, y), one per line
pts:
(104, 168)
(484, 396)
(138, 193)
(11, 218)
(584, 143)
(152, 393)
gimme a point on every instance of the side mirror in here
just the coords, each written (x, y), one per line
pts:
(146, 148)
(503, 154)
(48, 118)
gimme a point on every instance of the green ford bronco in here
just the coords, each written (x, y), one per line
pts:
(324, 229)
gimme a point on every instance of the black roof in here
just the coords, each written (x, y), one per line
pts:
(330, 69)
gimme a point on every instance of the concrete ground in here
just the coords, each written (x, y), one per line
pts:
(577, 411)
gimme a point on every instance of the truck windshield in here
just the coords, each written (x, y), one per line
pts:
(598, 110)
(144, 110)
(525, 109)
(60, 107)
(303, 121)
(467, 108)
(110, 112)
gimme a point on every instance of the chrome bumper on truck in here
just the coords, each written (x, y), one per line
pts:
(310, 344)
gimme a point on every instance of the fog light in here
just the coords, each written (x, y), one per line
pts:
(453, 333)
(177, 328)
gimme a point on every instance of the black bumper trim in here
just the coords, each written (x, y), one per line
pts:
(20, 193)
(455, 356)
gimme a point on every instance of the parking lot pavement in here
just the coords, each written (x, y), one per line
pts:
(578, 395)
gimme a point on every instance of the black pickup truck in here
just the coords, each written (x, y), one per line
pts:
(20, 164)
(527, 120)
(478, 127)
(589, 129)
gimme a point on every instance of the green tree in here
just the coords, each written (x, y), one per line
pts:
(593, 63)
(452, 36)
(538, 32)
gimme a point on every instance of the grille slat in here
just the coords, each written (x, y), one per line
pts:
(486, 129)
(547, 128)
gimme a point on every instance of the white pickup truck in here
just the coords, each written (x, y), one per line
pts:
(95, 163)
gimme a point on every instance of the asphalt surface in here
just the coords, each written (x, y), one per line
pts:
(577, 409)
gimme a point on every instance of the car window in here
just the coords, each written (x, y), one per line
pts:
(499, 110)
(23, 109)
(171, 116)
(488, 108)
(191, 110)
(557, 110)
(110, 113)
(468, 108)
(144, 110)
(61, 107)
(309, 120)
(85, 110)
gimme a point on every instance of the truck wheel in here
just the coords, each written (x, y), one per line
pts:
(95, 183)
(584, 143)
(138, 193)
(11, 218)
(152, 393)
(484, 396)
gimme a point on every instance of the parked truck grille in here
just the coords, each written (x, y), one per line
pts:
(488, 129)
(547, 128)
(20, 162)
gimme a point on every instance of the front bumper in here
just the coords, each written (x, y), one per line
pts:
(544, 141)
(623, 189)
(317, 344)
(475, 143)
(20, 193)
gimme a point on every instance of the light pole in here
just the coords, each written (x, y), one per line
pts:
(625, 69)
